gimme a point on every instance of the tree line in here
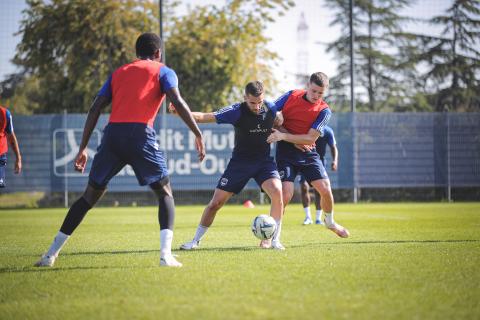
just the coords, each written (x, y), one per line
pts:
(69, 48)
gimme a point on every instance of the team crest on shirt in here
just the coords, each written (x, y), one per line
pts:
(223, 182)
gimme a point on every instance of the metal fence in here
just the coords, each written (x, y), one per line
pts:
(376, 150)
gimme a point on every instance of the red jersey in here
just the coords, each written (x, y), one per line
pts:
(300, 114)
(136, 92)
(3, 133)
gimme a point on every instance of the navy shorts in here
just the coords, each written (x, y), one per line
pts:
(3, 164)
(301, 177)
(310, 166)
(238, 172)
(134, 144)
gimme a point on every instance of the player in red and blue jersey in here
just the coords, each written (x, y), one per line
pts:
(253, 121)
(7, 135)
(327, 139)
(305, 115)
(136, 91)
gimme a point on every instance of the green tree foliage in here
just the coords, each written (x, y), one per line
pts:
(217, 50)
(452, 60)
(378, 38)
(69, 47)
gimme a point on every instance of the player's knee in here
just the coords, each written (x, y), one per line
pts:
(324, 188)
(215, 205)
(162, 188)
(93, 193)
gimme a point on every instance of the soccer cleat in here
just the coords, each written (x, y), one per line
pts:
(276, 245)
(169, 261)
(307, 221)
(319, 221)
(45, 261)
(266, 244)
(339, 230)
(190, 245)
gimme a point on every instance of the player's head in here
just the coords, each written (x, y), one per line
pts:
(317, 86)
(149, 46)
(254, 95)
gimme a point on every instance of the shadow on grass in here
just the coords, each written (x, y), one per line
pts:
(26, 269)
(382, 242)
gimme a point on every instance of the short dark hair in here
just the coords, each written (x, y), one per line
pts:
(254, 88)
(320, 79)
(147, 44)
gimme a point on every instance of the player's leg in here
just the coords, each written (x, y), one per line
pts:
(318, 207)
(3, 164)
(220, 197)
(72, 220)
(232, 181)
(166, 219)
(273, 188)
(305, 195)
(324, 189)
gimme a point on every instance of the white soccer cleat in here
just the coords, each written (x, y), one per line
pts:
(190, 245)
(307, 221)
(169, 261)
(45, 261)
(276, 245)
(338, 229)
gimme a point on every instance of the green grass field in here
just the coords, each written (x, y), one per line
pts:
(402, 261)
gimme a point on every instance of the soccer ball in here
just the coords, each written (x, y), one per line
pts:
(263, 227)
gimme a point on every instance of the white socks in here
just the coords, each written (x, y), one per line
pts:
(307, 213)
(329, 218)
(166, 237)
(201, 230)
(58, 242)
(276, 235)
(319, 214)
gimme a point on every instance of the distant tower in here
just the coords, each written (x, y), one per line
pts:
(302, 72)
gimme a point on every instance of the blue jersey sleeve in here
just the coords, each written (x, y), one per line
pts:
(330, 136)
(9, 127)
(322, 120)
(229, 114)
(271, 106)
(168, 78)
(280, 102)
(106, 89)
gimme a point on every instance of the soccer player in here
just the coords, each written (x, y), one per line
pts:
(328, 138)
(305, 116)
(253, 121)
(136, 91)
(7, 135)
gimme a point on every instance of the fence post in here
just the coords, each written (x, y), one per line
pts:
(65, 146)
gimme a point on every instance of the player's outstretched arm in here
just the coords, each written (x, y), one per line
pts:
(99, 103)
(306, 139)
(184, 112)
(200, 117)
(334, 152)
(12, 139)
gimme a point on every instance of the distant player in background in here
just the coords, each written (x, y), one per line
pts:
(136, 91)
(305, 116)
(253, 121)
(7, 135)
(328, 138)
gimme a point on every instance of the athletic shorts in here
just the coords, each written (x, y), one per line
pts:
(310, 166)
(134, 144)
(301, 177)
(3, 165)
(238, 172)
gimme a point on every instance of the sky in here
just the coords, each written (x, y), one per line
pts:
(283, 34)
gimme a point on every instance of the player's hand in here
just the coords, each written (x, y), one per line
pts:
(303, 147)
(81, 160)
(18, 166)
(200, 146)
(278, 121)
(275, 136)
(334, 166)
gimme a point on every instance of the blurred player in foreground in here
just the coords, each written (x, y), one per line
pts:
(7, 135)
